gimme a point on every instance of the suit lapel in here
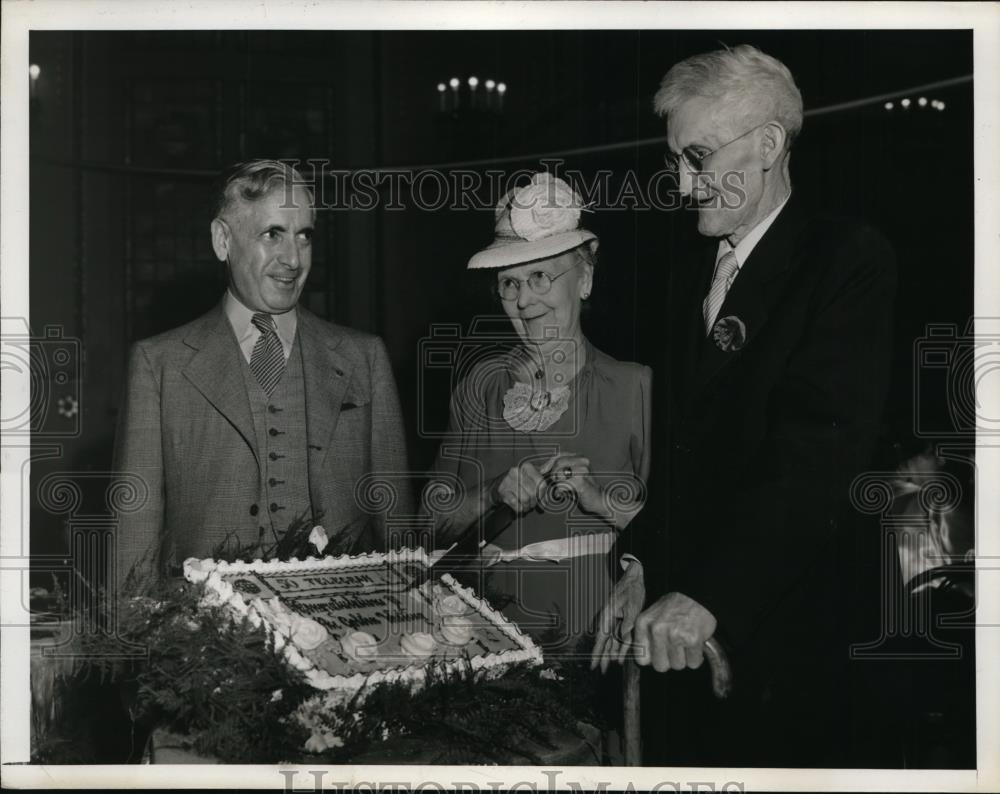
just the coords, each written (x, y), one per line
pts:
(215, 372)
(754, 292)
(327, 374)
(689, 289)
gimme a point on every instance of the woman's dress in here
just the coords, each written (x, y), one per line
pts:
(549, 569)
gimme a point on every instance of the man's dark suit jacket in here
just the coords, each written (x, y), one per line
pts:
(753, 465)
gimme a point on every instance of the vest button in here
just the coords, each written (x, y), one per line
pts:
(272, 432)
(273, 455)
(272, 482)
(272, 409)
(274, 507)
(253, 510)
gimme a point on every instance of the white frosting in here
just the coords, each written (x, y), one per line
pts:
(218, 591)
(360, 645)
(418, 644)
(308, 634)
(451, 604)
(456, 630)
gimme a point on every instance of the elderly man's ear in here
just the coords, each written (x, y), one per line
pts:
(772, 143)
(220, 239)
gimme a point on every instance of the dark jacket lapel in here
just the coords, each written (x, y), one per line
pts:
(753, 294)
(689, 289)
(214, 370)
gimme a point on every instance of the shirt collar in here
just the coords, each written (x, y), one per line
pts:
(240, 318)
(745, 246)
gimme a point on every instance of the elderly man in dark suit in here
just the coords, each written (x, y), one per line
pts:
(779, 342)
(258, 412)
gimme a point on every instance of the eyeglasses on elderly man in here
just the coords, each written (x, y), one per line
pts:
(695, 159)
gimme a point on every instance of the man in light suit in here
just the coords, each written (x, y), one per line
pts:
(258, 412)
(779, 348)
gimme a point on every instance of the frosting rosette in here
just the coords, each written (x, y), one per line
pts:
(451, 604)
(544, 207)
(308, 633)
(360, 645)
(456, 630)
(419, 644)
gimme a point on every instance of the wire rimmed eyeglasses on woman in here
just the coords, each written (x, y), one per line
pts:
(539, 282)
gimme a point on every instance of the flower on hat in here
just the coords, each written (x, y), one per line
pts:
(729, 334)
(545, 207)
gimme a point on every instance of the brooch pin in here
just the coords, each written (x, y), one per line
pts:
(527, 410)
(729, 334)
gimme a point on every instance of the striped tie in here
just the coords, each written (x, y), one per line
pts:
(268, 360)
(725, 272)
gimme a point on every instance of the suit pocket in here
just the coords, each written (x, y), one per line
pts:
(354, 419)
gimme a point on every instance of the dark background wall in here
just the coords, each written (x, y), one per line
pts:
(128, 129)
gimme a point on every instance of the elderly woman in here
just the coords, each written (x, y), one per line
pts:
(555, 429)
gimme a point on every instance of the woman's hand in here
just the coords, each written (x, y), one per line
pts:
(616, 621)
(573, 471)
(519, 487)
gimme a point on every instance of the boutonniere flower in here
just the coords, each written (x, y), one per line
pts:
(729, 333)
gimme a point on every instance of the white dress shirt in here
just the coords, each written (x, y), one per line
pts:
(246, 332)
(745, 246)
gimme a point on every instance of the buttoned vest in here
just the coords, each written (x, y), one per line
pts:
(280, 426)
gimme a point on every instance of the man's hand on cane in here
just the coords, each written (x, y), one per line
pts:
(674, 630)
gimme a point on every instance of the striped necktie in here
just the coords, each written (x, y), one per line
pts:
(725, 272)
(268, 360)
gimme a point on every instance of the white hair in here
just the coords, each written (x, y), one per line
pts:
(756, 87)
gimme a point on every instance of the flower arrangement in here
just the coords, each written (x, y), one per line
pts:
(201, 674)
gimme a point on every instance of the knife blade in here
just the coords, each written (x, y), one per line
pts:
(465, 550)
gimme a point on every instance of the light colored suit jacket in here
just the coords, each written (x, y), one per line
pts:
(186, 431)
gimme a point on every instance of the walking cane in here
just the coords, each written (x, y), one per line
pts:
(722, 685)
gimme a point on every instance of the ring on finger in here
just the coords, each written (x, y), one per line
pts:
(567, 472)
